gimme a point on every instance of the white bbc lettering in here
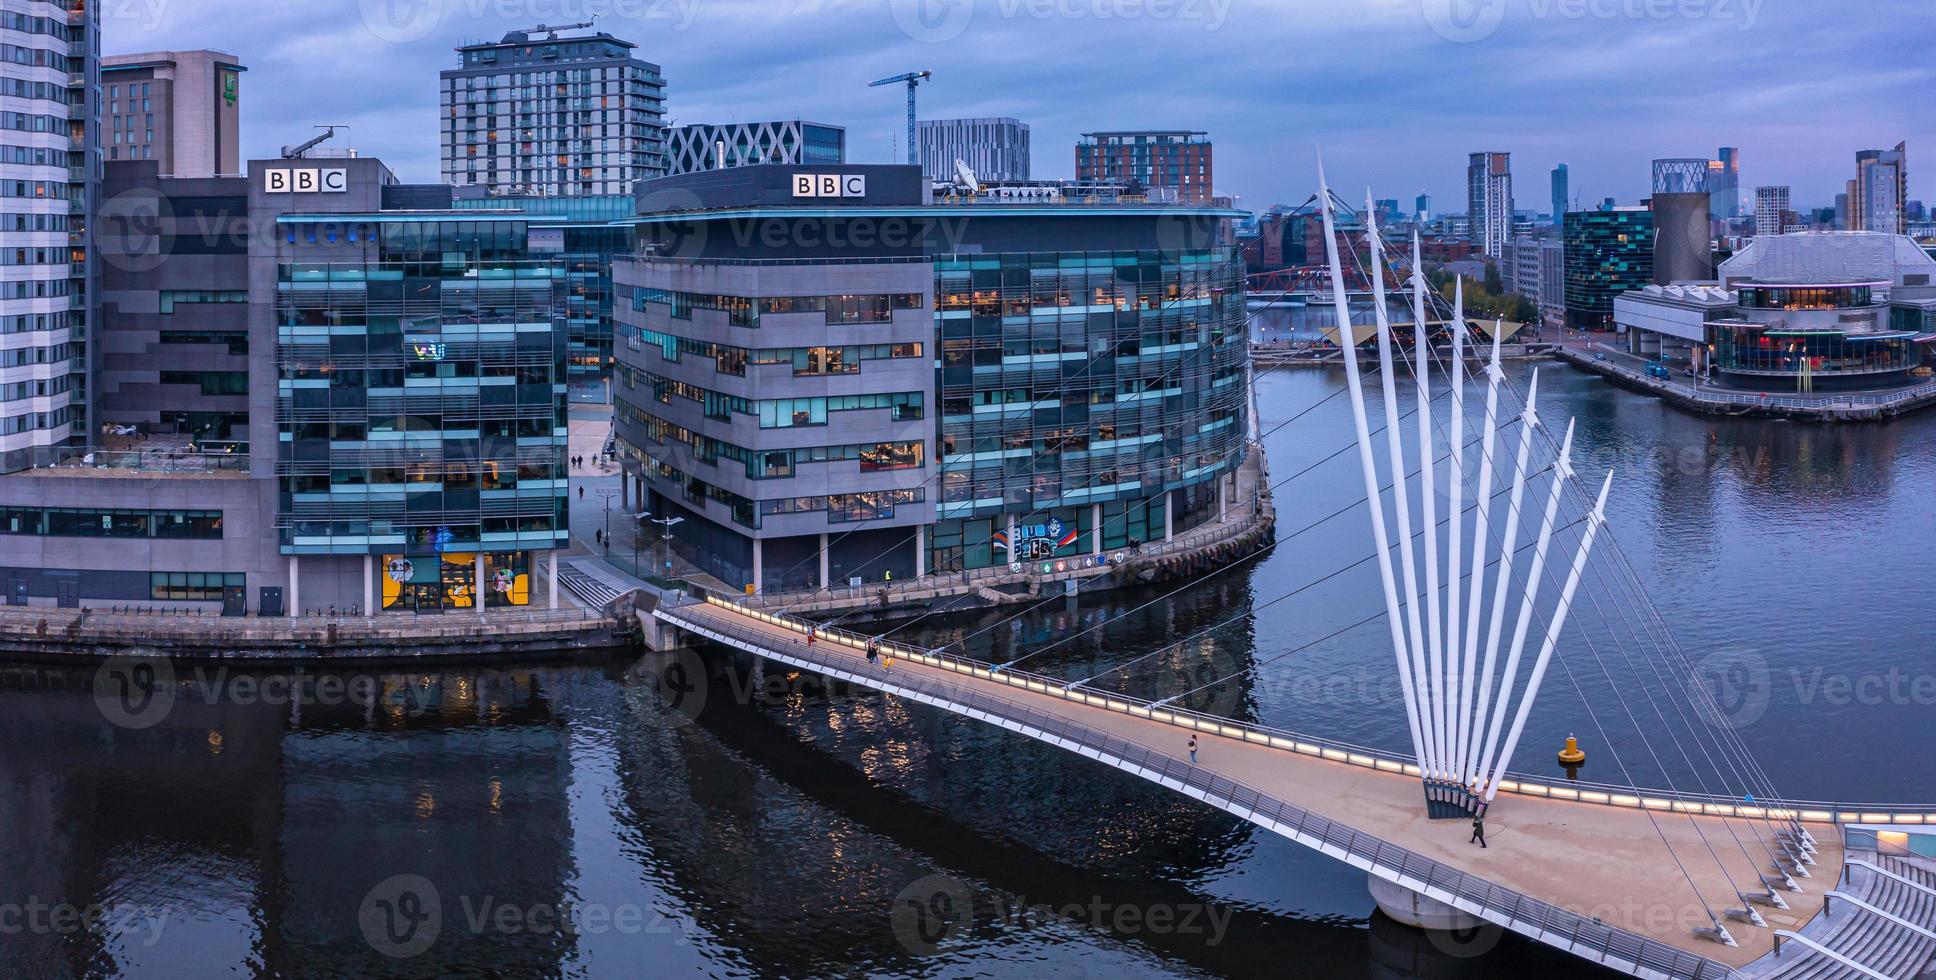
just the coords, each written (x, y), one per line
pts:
(335, 181)
(829, 185)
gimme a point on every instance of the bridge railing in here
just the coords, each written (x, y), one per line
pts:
(1544, 921)
(1608, 794)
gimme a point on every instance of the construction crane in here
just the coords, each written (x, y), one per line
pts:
(912, 79)
(551, 31)
(296, 152)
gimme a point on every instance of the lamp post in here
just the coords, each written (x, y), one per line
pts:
(666, 525)
(608, 494)
(636, 518)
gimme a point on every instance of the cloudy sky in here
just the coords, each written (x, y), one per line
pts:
(1396, 92)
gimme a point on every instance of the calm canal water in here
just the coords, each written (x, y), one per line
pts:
(610, 817)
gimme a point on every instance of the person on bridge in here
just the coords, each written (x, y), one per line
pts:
(1193, 750)
(1479, 827)
(810, 632)
(873, 649)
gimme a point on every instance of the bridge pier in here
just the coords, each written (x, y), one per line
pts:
(1403, 905)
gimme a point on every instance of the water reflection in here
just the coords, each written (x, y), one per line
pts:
(731, 819)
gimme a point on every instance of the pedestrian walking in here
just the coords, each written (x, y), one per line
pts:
(598, 536)
(810, 631)
(1193, 750)
(1479, 827)
(873, 649)
(581, 491)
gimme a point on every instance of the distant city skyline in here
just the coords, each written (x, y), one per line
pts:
(1604, 94)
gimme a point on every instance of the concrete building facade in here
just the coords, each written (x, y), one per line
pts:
(50, 171)
(1154, 158)
(1879, 194)
(181, 109)
(1771, 209)
(562, 117)
(1489, 201)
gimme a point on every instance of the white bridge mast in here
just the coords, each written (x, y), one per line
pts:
(1447, 685)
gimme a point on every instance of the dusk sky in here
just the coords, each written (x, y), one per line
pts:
(1396, 92)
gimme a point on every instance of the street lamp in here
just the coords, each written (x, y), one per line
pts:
(608, 494)
(636, 518)
(666, 525)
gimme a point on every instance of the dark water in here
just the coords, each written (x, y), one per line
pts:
(685, 817)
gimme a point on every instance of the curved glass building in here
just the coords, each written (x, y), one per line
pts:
(832, 380)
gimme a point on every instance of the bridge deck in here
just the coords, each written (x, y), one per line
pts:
(1606, 862)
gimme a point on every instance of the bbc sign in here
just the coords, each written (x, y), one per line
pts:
(335, 181)
(829, 185)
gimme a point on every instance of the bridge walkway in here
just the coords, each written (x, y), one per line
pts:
(1580, 867)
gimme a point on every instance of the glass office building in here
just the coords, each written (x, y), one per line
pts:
(871, 388)
(1088, 399)
(419, 402)
(1608, 252)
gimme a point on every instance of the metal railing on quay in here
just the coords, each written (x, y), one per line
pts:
(457, 622)
(1077, 565)
(1521, 784)
(1496, 901)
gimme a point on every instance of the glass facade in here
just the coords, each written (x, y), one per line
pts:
(420, 409)
(1607, 253)
(1072, 381)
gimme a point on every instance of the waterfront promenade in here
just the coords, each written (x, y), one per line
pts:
(1594, 355)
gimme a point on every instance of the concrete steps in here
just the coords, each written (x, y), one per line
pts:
(585, 588)
(1870, 939)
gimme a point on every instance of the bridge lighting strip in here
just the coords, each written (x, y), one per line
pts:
(1260, 736)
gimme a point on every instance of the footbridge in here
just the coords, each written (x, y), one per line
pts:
(1592, 869)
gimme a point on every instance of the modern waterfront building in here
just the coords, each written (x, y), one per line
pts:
(1534, 267)
(996, 148)
(584, 233)
(181, 109)
(1771, 209)
(1723, 184)
(561, 117)
(1489, 201)
(1154, 158)
(1879, 194)
(1608, 252)
(714, 146)
(831, 380)
(1812, 311)
(1681, 205)
(173, 351)
(400, 436)
(1560, 197)
(50, 172)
